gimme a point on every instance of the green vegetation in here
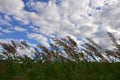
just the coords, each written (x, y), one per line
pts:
(59, 71)
(90, 62)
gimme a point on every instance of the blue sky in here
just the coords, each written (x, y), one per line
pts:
(37, 20)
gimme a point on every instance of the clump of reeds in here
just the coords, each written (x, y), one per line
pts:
(90, 52)
(9, 51)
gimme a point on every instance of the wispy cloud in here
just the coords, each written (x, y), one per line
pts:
(20, 29)
(4, 22)
(5, 30)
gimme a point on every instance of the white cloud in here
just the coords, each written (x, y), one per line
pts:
(11, 6)
(4, 22)
(111, 16)
(40, 38)
(19, 29)
(78, 18)
(14, 8)
(70, 17)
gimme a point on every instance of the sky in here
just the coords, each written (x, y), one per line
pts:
(35, 21)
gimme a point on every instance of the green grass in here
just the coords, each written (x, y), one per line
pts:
(81, 64)
(59, 71)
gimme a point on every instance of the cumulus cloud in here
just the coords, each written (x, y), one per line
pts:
(11, 6)
(111, 17)
(14, 8)
(67, 17)
(78, 18)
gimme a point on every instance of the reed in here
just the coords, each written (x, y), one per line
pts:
(87, 63)
(91, 51)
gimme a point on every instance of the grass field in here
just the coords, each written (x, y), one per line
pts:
(10, 70)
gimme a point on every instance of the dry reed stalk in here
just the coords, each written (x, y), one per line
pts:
(66, 45)
(90, 54)
(9, 48)
(47, 54)
(72, 42)
(112, 37)
(111, 53)
(93, 43)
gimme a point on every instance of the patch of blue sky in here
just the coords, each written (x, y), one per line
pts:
(90, 14)
(58, 2)
(28, 8)
(2, 15)
(14, 35)
(98, 8)
(36, 0)
(32, 28)
(15, 22)
(41, 0)
(18, 36)
(3, 19)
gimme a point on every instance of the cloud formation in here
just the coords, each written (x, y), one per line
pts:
(11, 7)
(78, 18)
